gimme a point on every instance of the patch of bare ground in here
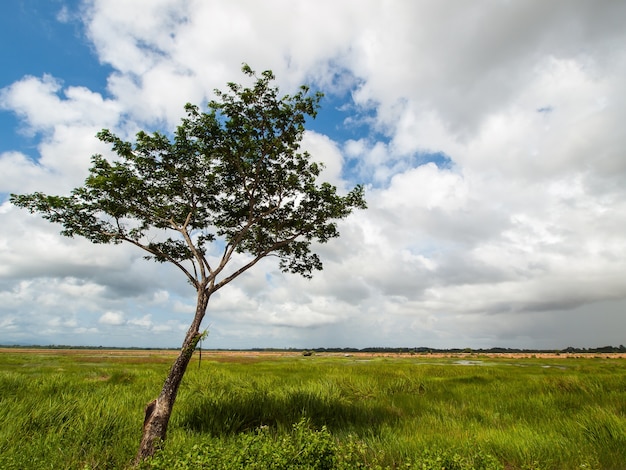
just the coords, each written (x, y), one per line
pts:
(250, 356)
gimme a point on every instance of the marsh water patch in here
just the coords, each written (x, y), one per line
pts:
(466, 362)
(470, 362)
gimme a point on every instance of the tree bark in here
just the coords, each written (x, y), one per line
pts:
(159, 410)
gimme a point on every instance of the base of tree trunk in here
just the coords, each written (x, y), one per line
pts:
(157, 416)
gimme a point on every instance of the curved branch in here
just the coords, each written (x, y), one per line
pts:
(230, 248)
(254, 261)
(192, 279)
(202, 262)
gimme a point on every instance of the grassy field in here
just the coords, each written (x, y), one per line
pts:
(83, 409)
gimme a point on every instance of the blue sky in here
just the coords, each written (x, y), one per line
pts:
(488, 134)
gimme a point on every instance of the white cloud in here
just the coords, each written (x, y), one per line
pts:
(44, 104)
(112, 318)
(20, 173)
(67, 120)
(143, 322)
(327, 152)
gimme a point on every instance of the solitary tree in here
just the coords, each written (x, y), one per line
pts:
(233, 176)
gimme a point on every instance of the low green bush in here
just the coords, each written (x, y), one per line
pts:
(304, 448)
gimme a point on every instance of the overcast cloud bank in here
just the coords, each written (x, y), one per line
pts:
(489, 135)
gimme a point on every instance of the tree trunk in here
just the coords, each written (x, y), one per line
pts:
(158, 411)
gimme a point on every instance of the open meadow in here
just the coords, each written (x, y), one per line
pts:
(83, 409)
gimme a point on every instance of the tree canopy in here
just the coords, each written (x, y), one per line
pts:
(233, 174)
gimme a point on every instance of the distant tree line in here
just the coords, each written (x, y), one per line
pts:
(426, 350)
(381, 350)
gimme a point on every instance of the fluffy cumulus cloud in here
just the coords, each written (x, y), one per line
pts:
(112, 318)
(488, 134)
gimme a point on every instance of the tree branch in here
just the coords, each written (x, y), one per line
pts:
(254, 261)
(192, 279)
(197, 255)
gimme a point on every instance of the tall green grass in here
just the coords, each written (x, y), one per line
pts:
(76, 412)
